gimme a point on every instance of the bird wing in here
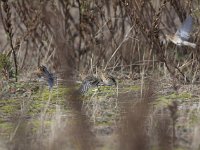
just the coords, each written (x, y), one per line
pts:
(50, 81)
(93, 80)
(184, 30)
(49, 77)
(85, 86)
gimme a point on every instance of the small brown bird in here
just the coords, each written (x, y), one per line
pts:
(88, 82)
(43, 72)
(39, 72)
(182, 34)
(107, 79)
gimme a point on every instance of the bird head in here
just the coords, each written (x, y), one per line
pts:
(39, 71)
(102, 74)
(168, 37)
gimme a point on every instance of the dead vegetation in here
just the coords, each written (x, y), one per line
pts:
(124, 37)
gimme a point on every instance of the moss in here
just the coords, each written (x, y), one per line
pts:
(7, 101)
(44, 96)
(54, 94)
(183, 95)
(107, 90)
(163, 101)
(103, 123)
(35, 108)
(8, 109)
(106, 115)
(40, 100)
(9, 106)
(6, 128)
(32, 126)
(135, 87)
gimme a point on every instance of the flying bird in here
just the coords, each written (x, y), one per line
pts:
(43, 72)
(89, 82)
(182, 34)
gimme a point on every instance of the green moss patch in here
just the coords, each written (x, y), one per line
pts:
(166, 100)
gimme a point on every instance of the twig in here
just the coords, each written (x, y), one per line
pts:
(125, 39)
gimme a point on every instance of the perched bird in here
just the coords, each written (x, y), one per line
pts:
(43, 72)
(182, 34)
(107, 79)
(89, 82)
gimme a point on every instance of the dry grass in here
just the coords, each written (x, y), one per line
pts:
(120, 36)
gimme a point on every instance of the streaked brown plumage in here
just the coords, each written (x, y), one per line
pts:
(43, 72)
(182, 34)
(107, 78)
(87, 83)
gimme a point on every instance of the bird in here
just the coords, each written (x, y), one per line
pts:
(89, 82)
(182, 34)
(107, 79)
(42, 71)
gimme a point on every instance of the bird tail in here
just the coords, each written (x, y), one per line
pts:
(193, 45)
